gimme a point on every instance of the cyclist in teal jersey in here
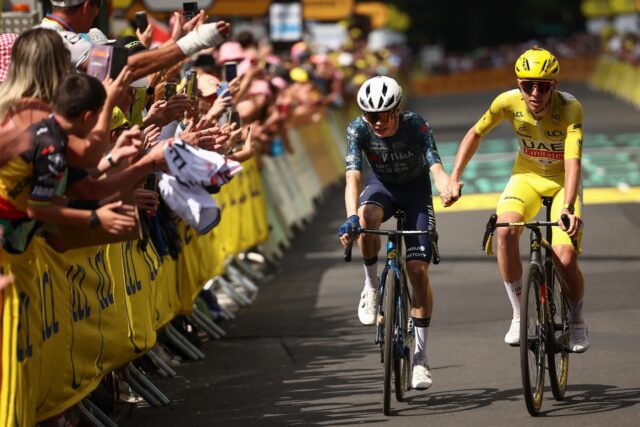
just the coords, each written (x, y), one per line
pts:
(400, 148)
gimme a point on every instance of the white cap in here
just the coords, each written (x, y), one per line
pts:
(66, 3)
(98, 37)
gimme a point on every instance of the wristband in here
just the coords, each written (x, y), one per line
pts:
(569, 207)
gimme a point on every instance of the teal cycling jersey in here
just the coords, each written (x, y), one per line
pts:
(395, 160)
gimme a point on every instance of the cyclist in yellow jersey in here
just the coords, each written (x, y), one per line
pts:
(548, 125)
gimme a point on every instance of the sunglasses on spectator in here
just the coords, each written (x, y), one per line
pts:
(543, 86)
(382, 116)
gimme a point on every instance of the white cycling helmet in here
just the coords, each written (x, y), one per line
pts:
(379, 93)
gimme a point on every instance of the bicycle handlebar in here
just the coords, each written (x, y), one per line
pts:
(492, 224)
(431, 232)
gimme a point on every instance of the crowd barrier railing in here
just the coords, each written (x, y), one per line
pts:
(70, 318)
(618, 78)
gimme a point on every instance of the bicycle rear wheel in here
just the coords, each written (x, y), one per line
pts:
(558, 361)
(532, 341)
(389, 320)
(403, 347)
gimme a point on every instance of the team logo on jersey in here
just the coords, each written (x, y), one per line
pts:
(518, 114)
(554, 133)
(424, 128)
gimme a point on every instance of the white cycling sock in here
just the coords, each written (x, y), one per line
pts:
(576, 311)
(420, 352)
(371, 275)
(513, 291)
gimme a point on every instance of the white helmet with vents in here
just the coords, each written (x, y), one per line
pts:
(379, 93)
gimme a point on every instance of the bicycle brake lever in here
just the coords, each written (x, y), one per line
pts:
(567, 222)
(347, 249)
(433, 239)
(491, 227)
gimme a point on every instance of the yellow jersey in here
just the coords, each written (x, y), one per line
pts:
(544, 144)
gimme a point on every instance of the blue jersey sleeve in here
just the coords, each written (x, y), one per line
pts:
(353, 159)
(428, 142)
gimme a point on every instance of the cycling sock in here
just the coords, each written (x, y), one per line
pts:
(576, 311)
(421, 327)
(513, 291)
(370, 272)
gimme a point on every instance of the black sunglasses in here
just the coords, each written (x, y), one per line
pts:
(543, 86)
(383, 116)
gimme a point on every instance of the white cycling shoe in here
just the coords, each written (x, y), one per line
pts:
(513, 335)
(367, 306)
(421, 377)
(579, 337)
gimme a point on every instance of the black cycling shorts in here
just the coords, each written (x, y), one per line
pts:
(414, 198)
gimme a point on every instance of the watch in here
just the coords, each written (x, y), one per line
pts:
(112, 162)
(569, 207)
(94, 221)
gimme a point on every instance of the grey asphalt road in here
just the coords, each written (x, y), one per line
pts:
(298, 355)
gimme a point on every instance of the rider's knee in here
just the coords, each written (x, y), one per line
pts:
(507, 236)
(371, 216)
(418, 269)
(567, 258)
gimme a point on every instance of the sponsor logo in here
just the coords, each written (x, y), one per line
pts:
(424, 128)
(395, 156)
(518, 114)
(577, 126)
(514, 198)
(554, 133)
(554, 155)
(416, 249)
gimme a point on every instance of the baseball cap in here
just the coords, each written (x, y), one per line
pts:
(133, 46)
(66, 3)
(98, 37)
(230, 51)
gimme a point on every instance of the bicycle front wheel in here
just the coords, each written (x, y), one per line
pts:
(557, 359)
(389, 320)
(532, 340)
(404, 339)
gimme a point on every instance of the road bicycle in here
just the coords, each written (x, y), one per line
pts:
(395, 338)
(544, 324)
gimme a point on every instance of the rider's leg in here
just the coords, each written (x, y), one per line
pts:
(421, 306)
(519, 201)
(566, 262)
(370, 217)
(509, 263)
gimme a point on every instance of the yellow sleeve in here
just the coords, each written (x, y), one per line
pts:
(493, 116)
(573, 142)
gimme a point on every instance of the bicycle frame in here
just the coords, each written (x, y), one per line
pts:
(396, 263)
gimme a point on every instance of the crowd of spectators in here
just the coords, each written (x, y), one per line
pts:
(102, 155)
(573, 46)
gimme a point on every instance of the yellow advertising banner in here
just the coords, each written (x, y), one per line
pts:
(239, 8)
(377, 12)
(327, 10)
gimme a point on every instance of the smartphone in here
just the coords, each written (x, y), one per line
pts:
(141, 21)
(191, 84)
(106, 61)
(230, 71)
(170, 89)
(189, 10)
(119, 57)
(151, 182)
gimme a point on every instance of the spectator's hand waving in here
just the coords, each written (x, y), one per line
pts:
(117, 218)
(128, 144)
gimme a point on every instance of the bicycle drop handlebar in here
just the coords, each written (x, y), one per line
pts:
(431, 232)
(492, 224)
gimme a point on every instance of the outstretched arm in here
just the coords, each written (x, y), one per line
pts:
(467, 149)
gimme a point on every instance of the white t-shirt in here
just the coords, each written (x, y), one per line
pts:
(77, 45)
